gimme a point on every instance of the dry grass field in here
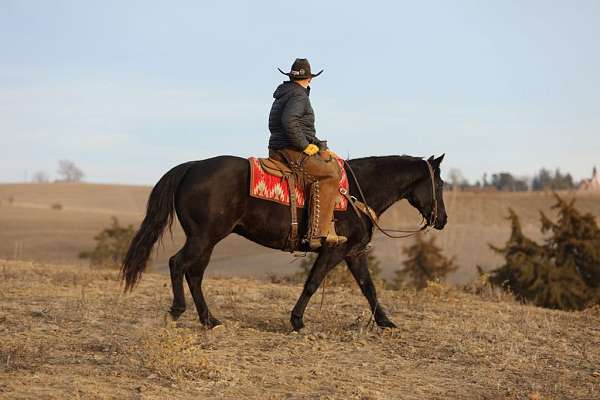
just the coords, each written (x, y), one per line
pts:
(68, 332)
(31, 230)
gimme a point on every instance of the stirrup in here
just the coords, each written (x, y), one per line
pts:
(315, 243)
(333, 240)
(330, 241)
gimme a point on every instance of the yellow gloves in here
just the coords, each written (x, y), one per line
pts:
(311, 150)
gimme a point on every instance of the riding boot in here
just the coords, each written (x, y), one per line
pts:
(331, 240)
(323, 197)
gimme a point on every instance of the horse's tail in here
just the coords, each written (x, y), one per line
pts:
(159, 214)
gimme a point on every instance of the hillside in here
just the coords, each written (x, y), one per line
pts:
(31, 230)
(68, 332)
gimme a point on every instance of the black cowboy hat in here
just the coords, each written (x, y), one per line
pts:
(300, 70)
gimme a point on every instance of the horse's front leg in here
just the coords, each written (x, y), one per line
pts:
(359, 267)
(324, 263)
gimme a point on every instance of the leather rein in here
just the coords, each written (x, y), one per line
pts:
(427, 223)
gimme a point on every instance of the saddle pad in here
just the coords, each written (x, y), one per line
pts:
(269, 187)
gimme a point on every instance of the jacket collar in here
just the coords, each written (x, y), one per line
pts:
(307, 89)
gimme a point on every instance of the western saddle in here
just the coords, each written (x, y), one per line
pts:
(293, 173)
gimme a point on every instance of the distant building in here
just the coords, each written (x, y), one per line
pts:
(591, 184)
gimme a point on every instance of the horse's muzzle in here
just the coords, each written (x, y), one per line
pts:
(440, 223)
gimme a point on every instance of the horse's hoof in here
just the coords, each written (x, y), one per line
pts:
(297, 323)
(176, 312)
(386, 323)
(212, 322)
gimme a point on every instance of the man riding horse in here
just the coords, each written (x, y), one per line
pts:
(293, 141)
(211, 199)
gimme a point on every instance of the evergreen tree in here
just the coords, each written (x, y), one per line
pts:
(575, 241)
(562, 273)
(425, 263)
(111, 245)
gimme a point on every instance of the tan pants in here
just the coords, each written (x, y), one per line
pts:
(324, 169)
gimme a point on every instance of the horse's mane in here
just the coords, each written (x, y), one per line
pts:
(403, 157)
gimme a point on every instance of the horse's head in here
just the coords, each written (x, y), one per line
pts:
(427, 194)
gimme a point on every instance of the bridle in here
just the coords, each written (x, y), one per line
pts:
(427, 223)
(434, 211)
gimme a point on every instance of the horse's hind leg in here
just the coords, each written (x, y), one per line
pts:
(196, 253)
(177, 272)
(359, 267)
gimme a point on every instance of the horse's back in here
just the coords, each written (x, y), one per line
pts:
(213, 186)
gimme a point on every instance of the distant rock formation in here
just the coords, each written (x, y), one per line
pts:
(591, 184)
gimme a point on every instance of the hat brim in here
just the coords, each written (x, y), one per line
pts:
(289, 74)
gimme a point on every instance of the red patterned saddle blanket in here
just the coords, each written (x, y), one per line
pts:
(266, 186)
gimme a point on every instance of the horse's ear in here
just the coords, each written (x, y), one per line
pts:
(436, 163)
(430, 159)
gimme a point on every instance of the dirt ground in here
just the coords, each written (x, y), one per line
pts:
(69, 332)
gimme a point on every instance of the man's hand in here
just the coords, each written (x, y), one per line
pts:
(311, 150)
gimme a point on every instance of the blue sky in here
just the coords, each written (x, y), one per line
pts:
(127, 89)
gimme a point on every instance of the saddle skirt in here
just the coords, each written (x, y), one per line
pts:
(267, 183)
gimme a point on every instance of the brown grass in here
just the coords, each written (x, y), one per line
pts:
(68, 332)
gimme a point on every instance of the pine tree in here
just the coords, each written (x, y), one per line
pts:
(575, 241)
(562, 273)
(425, 263)
(111, 245)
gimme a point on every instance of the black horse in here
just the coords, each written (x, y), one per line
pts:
(211, 198)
